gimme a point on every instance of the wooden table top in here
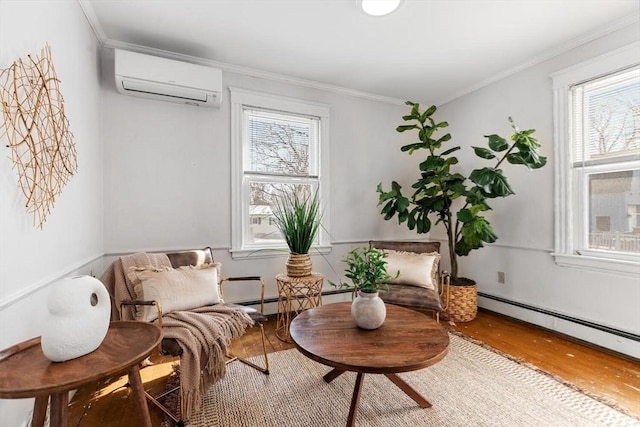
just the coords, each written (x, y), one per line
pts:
(406, 341)
(26, 372)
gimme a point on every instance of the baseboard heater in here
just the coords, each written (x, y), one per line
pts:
(586, 323)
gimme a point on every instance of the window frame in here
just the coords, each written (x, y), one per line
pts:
(570, 228)
(244, 98)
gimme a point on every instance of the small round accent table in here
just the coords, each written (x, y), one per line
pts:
(26, 372)
(296, 294)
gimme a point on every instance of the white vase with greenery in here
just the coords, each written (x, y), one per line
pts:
(367, 269)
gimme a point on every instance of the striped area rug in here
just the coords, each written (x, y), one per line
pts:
(472, 386)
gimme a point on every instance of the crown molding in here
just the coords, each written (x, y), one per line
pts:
(95, 24)
(93, 20)
(572, 44)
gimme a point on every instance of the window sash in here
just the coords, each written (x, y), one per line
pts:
(581, 198)
(311, 122)
(624, 87)
(250, 244)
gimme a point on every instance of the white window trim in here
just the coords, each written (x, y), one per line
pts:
(565, 253)
(244, 97)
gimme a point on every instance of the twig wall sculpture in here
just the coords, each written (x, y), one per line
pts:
(42, 148)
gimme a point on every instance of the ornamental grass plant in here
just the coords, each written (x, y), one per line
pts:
(298, 218)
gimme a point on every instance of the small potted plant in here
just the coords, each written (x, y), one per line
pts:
(367, 269)
(298, 218)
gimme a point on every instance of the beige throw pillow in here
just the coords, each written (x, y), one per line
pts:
(415, 269)
(183, 288)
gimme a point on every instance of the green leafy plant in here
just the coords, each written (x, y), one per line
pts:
(298, 218)
(367, 269)
(451, 198)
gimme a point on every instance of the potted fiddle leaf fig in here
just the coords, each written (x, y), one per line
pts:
(444, 196)
(298, 217)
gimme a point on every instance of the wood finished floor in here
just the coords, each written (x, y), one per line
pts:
(107, 404)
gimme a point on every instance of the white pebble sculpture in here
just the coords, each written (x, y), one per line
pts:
(80, 311)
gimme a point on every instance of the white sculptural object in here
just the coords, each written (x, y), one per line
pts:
(80, 310)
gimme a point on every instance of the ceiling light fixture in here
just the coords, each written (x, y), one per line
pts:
(379, 7)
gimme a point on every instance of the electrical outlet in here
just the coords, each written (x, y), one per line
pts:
(501, 278)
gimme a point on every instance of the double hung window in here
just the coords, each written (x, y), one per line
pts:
(598, 162)
(279, 145)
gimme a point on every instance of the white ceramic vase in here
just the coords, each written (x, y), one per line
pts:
(79, 315)
(368, 310)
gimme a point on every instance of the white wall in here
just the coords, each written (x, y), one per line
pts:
(525, 222)
(167, 174)
(31, 258)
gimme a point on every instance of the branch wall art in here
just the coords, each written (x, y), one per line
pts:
(34, 122)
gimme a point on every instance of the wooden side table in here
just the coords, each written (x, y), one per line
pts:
(26, 372)
(296, 294)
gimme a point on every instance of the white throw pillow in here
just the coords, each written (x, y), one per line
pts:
(183, 288)
(415, 269)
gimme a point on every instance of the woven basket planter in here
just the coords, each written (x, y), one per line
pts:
(463, 303)
(298, 265)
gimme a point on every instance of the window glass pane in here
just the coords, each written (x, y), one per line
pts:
(279, 143)
(262, 227)
(613, 211)
(607, 116)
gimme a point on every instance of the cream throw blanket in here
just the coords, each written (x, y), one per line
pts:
(203, 333)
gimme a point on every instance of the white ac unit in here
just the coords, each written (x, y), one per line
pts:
(167, 80)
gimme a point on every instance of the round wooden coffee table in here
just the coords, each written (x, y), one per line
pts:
(26, 372)
(406, 341)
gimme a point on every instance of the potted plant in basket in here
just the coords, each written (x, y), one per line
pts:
(367, 269)
(453, 199)
(298, 218)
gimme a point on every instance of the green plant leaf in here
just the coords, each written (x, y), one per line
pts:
(499, 186)
(497, 143)
(449, 151)
(445, 138)
(484, 153)
(402, 203)
(411, 147)
(464, 215)
(515, 159)
(431, 162)
(482, 177)
(403, 128)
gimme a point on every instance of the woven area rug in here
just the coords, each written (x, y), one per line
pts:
(472, 386)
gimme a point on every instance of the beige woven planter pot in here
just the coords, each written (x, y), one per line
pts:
(463, 303)
(298, 265)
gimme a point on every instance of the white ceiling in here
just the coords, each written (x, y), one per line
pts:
(428, 50)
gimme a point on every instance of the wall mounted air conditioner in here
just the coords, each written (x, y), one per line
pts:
(167, 80)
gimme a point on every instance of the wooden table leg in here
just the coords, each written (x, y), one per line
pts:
(332, 375)
(39, 411)
(351, 421)
(59, 410)
(138, 394)
(410, 391)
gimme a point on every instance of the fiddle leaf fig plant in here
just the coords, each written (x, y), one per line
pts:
(449, 197)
